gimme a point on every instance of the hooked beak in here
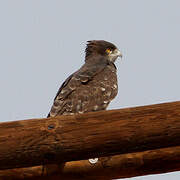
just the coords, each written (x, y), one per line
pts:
(117, 53)
(114, 55)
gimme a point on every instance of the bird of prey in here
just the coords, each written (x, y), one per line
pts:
(93, 86)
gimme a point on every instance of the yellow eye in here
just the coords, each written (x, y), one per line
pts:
(108, 51)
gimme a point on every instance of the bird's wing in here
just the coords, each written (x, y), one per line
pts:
(63, 85)
(58, 93)
(84, 75)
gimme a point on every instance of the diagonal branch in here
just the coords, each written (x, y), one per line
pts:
(66, 138)
(119, 166)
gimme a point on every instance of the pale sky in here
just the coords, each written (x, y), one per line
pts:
(42, 42)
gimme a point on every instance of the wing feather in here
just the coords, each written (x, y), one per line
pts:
(73, 83)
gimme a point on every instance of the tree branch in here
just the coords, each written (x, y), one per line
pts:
(119, 166)
(66, 138)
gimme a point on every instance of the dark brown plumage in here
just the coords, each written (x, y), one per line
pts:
(93, 86)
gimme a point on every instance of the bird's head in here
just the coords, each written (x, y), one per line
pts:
(103, 48)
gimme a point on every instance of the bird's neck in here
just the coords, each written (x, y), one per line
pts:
(96, 59)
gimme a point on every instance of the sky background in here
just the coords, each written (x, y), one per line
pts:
(42, 42)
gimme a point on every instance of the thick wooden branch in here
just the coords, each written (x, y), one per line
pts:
(119, 166)
(66, 138)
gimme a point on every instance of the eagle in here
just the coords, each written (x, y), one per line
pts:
(93, 86)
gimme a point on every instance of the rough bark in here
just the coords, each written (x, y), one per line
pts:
(66, 138)
(119, 166)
